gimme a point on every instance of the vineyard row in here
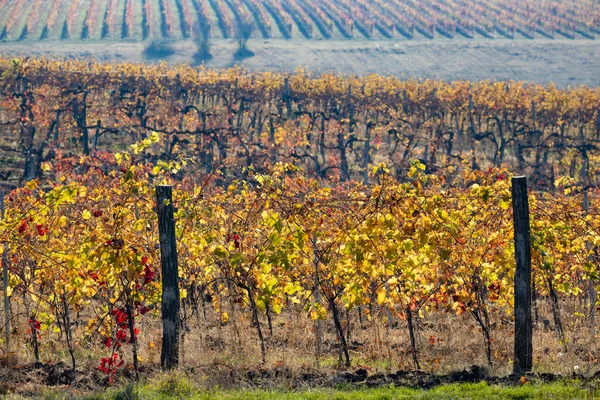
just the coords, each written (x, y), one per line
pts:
(335, 127)
(361, 19)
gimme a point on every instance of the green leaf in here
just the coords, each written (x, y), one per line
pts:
(220, 252)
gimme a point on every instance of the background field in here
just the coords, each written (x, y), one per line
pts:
(311, 19)
(565, 62)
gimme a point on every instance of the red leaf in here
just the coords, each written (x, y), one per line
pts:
(121, 317)
(122, 335)
(148, 275)
(143, 310)
(23, 226)
(41, 230)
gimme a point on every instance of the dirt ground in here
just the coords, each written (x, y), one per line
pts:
(564, 62)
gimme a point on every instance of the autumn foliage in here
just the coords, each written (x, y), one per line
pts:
(300, 196)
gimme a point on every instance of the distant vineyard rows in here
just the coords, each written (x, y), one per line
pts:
(360, 19)
(335, 127)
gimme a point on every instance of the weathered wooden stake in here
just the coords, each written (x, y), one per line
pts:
(169, 356)
(591, 283)
(5, 282)
(317, 294)
(287, 97)
(523, 349)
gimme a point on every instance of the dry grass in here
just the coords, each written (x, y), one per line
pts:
(227, 355)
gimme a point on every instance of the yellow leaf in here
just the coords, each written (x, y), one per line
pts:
(1, 249)
(31, 185)
(154, 137)
(381, 296)
(86, 214)
(46, 167)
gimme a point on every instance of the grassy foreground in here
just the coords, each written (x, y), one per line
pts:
(181, 388)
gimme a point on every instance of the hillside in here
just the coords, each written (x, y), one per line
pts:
(33, 20)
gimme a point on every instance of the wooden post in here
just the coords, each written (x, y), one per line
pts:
(586, 207)
(591, 283)
(169, 356)
(523, 351)
(287, 97)
(5, 282)
(317, 294)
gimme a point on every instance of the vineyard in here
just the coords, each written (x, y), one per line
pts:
(301, 19)
(347, 221)
(334, 127)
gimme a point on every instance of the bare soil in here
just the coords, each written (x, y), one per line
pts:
(564, 62)
(30, 380)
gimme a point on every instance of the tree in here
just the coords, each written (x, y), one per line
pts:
(243, 32)
(201, 38)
